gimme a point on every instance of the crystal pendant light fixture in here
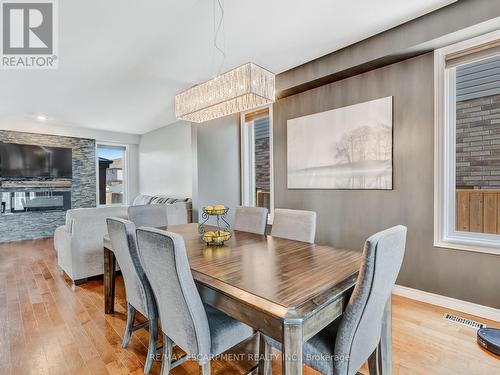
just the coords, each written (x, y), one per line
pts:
(245, 87)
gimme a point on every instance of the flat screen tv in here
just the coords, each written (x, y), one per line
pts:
(30, 161)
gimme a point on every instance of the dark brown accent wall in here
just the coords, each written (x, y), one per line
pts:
(346, 218)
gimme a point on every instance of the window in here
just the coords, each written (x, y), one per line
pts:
(256, 159)
(467, 170)
(112, 172)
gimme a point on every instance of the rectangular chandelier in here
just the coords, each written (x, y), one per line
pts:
(245, 87)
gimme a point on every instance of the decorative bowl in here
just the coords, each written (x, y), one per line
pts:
(216, 238)
(215, 210)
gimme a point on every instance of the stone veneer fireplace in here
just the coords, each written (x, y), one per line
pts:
(39, 222)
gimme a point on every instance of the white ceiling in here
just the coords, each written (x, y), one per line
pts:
(121, 62)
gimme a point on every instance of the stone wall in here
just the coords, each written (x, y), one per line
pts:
(262, 165)
(478, 143)
(262, 155)
(31, 225)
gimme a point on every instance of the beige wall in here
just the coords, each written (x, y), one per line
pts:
(165, 161)
(347, 218)
(217, 164)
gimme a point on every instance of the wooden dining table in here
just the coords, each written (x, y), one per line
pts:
(287, 290)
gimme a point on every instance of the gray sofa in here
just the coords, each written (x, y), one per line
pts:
(79, 243)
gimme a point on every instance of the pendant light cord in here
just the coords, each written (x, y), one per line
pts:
(217, 30)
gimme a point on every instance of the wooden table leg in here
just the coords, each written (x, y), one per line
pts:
(109, 281)
(292, 347)
(385, 348)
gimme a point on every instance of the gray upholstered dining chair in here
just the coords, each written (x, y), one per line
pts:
(199, 330)
(251, 219)
(149, 215)
(295, 225)
(346, 344)
(137, 288)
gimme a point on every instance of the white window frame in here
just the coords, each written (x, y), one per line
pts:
(248, 165)
(125, 172)
(445, 233)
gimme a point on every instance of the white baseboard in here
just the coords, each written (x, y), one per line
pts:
(449, 303)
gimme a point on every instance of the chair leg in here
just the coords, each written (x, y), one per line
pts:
(130, 325)
(205, 368)
(167, 355)
(373, 362)
(153, 339)
(265, 361)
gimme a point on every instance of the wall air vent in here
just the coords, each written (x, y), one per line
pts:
(463, 321)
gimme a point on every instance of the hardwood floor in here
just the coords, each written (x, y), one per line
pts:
(46, 328)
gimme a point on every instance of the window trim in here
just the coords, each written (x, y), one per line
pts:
(125, 172)
(445, 234)
(244, 168)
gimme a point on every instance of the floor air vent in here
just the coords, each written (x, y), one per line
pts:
(463, 321)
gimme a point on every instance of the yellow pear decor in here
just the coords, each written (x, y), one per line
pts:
(221, 232)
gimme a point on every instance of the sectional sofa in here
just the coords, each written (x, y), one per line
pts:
(79, 243)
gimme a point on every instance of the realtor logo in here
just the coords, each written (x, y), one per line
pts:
(29, 34)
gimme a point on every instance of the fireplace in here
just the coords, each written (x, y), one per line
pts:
(30, 200)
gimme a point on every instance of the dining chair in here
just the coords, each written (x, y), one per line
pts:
(149, 215)
(251, 219)
(346, 344)
(295, 225)
(199, 330)
(137, 288)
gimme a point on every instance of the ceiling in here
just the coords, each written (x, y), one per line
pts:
(121, 63)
